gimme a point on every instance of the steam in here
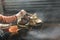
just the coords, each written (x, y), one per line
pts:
(49, 33)
(41, 15)
(52, 32)
(1, 32)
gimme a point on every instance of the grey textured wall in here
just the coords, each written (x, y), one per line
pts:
(27, 4)
(1, 8)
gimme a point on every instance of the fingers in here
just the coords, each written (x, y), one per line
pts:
(23, 12)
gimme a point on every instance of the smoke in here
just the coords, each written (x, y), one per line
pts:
(1, 32)
(49, 33)
(41, 15)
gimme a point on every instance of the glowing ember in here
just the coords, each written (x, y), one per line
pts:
(13, 29)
